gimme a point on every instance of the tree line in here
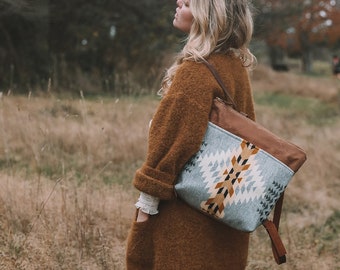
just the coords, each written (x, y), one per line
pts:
(119, 46)
(298, 28)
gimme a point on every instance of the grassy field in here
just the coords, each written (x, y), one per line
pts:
(66, 165)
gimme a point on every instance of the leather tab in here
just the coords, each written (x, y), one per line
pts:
(278, 248)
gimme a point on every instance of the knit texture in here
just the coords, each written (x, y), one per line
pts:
(180, 237)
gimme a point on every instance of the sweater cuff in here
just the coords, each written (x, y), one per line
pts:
(155, 183)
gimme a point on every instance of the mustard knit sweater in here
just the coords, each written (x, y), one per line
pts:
(179, 237)
(180, 122)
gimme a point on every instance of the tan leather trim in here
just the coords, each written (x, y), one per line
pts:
(238, 124)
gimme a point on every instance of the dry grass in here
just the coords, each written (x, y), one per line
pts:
(310, 223)
(62, 225)
(65, 180)
(322, 88)
(66, 165)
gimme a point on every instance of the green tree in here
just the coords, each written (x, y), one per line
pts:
(109, 38)
(92, 41)
(23, 46)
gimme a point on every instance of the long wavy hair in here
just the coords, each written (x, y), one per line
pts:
(219, 26)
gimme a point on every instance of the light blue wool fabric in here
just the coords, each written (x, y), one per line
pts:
(233, 180)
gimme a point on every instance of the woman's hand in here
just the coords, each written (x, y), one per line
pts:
(141, 217)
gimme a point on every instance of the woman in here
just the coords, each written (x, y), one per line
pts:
(168, 234)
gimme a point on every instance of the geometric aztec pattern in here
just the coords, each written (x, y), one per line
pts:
(232, 180)
(237, 178)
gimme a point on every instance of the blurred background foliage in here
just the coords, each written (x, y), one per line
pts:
(122, 46)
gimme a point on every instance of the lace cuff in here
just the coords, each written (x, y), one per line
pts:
(147, 203)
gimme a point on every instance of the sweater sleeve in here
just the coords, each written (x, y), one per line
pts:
(177, 130)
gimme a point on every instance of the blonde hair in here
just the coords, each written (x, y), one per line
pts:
(218, 26)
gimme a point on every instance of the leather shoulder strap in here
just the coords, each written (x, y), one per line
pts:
(220, 82)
